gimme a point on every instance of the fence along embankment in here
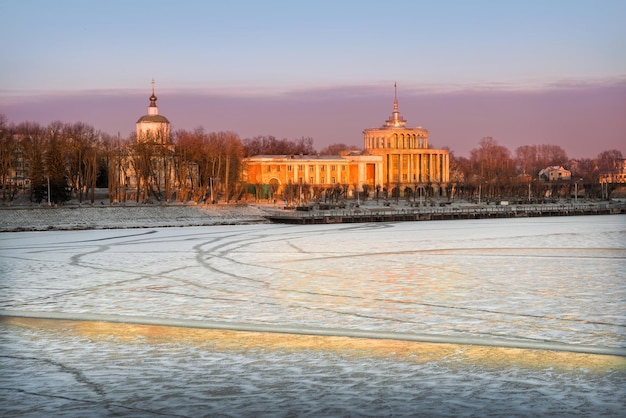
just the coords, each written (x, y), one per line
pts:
(354, 215)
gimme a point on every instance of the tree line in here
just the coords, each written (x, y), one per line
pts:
(60, 161)
(497, 172)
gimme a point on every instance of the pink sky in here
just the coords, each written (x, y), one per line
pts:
(584, 119)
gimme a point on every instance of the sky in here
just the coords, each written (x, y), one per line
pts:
(523, 72)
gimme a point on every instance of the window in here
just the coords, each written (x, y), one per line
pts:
(332, 180)
(333, 167)
(311, 168)
(322, 168)
(289, 168)
(311, 180)
(343, 168)
(322, 180)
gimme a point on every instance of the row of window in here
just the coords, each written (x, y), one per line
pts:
(302, 168)
(333, 180)
(400, 142)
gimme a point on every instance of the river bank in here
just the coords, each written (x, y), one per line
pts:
(114, 217)
(77, 217)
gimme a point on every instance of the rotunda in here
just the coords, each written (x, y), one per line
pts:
(408, 162)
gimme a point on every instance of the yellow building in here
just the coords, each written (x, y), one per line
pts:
(617, 174)
(274, 174)
(408, 162)
(396, 161)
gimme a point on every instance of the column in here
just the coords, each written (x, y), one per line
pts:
(386, 169)
(317, 173)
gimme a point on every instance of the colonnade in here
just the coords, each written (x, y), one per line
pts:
(398, 141)
(417, 167)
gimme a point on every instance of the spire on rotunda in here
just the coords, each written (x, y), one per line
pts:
(395, 121)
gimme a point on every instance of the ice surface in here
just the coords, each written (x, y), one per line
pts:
(555, 280)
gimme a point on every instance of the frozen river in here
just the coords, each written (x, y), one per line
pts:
(142, 322)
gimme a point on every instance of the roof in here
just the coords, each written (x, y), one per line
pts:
(153, 118)
(285, 158)
(553, 168)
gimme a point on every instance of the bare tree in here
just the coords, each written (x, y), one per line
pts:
(55, 163)
(269, 145)
(335, 149)
(492, 167)
(608, 160)
(8, 153)
(82, 148)
(31, 139)
(548, 155)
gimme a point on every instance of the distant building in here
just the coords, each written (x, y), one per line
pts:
(274, 172)
(153, 127)
(408, 161)
(396, 160)
(18, 174)
(145, 171)
(617, 174)
(555, 173)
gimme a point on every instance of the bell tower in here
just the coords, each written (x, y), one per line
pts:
(153, 127)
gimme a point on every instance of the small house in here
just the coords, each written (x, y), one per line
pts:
(555, 173)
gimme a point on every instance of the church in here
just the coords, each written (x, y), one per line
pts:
(145, 170)
(153, 127)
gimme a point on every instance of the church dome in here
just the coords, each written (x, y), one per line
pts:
(152, 123)
(153, 119)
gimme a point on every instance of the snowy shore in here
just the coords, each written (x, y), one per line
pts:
(73, 216)
(113, 217)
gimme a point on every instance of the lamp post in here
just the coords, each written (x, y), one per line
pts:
(48, 178)
(576, 189)
(420, 193)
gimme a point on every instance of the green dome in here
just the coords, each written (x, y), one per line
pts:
(153, 118)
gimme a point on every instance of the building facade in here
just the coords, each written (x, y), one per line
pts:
(617, 175)
(273, 174)
(408, 162)
(555, 173)
(396, 160)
